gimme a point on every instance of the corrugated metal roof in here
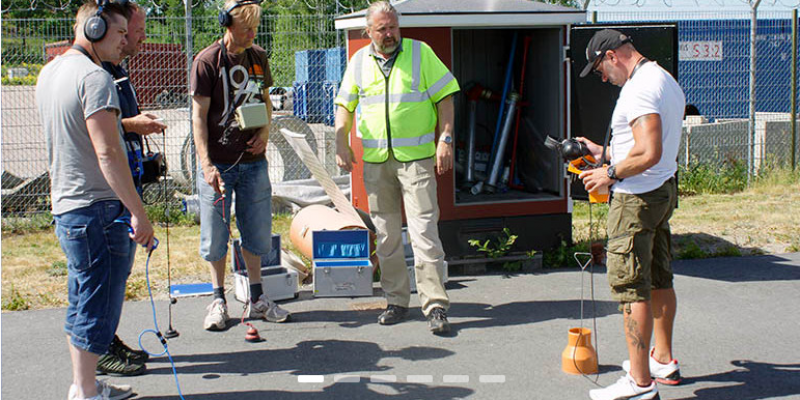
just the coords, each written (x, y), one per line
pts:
(416, 13)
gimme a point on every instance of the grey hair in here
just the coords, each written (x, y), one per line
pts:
(381, 7)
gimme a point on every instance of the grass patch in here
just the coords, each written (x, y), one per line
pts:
(58, 269)
(15, 301)
(26, 224)
(729, 177)
(563, 256)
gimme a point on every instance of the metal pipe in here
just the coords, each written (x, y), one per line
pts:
(751, 125)
(473, 121)
(491, 184)
(793, 112)
(189, 57)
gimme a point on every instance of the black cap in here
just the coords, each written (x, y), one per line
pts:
(602, 41)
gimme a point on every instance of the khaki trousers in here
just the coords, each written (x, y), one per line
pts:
(415, 184)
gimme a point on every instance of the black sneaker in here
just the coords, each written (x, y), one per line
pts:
(437, 321)
(393, 315)
(112, 364)
(126, 353)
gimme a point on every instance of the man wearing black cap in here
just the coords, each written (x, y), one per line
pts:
(646, 131)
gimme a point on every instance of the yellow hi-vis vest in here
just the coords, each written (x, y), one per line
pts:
(397, 113)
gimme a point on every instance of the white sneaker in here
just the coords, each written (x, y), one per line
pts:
(626, 389)
(268, 310)
(668, 374)
(217, 316)
(105, 391)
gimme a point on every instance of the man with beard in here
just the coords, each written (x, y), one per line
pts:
(405, 93)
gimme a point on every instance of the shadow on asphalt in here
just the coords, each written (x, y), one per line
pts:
(751, 380)
(739, 269)
(315, 357)
(483, 315)
(400, 391)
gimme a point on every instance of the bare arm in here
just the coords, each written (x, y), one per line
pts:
(344, 154)
(113, 162)
(444, 151)
(646, 152)
(200, 105)
(143, 124)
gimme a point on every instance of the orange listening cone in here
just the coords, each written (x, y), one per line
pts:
(579, 356)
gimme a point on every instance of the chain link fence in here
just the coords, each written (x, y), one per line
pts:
(307, 59)
(714, 72)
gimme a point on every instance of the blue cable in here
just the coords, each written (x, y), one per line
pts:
(157, 331)
(126, 220)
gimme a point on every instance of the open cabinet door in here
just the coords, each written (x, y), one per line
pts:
(592, 100)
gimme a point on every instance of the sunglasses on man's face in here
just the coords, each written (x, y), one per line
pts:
(597, 64)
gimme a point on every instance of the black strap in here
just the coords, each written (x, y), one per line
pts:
(642, 61)
(82, 50)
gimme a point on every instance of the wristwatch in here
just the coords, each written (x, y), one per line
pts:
(612, 173)
(446, 139)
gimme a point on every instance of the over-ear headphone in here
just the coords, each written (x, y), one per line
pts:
(96, 27)
(225, 18)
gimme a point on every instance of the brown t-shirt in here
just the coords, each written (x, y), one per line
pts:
(248, 77)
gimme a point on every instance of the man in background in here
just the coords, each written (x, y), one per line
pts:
(120, 358)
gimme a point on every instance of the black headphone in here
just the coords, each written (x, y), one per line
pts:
(225, 19)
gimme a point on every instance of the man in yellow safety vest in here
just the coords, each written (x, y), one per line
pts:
(403, 93)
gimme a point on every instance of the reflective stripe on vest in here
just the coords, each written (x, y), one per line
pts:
(399, 142)
(386, 105)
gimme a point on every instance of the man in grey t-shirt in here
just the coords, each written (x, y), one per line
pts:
(94, 202)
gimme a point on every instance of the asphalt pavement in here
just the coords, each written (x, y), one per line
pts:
(736, 338)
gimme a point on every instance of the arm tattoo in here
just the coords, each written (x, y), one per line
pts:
(642, 120)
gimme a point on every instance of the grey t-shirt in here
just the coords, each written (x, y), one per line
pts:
(69, 90)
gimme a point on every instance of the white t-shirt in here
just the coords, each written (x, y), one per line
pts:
(652, 90)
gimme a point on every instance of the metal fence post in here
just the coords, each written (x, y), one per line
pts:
(189, 56)
(793, 111)
(751, 126)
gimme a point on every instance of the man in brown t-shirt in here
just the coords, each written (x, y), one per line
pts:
(230, 88)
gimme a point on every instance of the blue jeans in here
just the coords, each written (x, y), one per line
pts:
(249, 184)
(99, 259)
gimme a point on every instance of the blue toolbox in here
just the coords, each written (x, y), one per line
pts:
(341, 263)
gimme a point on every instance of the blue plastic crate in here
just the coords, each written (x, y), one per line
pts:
(313, 101)
(330, 245)
(309, 65)
(335, 64)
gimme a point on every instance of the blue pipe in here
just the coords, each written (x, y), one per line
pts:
(506, 89)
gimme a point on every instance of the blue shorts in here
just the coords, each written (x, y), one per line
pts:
(248, 184)
(99, 259)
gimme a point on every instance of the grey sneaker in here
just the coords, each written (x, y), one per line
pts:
(105, 391)
(393, 314)
(217, 317)
(437, 321)
(268, 310)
